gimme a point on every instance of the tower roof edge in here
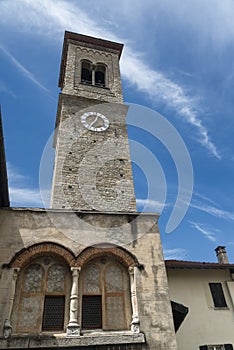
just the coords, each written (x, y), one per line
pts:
(85, 39)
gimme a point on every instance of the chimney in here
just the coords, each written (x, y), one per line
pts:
(221, 255)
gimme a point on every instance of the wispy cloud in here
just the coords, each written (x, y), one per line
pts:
(214, 211)
(176, 253)
(150, 205)
(20, 193)
(207, 232)
(47, 16)
(161, 88)
(209, 206)
(5, 89)
(23, 70)
(204, 198)
(25, 197)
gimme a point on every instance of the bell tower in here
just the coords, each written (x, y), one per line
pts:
(92, 164)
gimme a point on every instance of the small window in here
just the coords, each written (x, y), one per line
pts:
(216, 347)
(92, 311)
(53, 317)
(217, 295)
(100, 76)
(86, 73)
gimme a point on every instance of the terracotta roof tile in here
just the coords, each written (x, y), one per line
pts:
(181, 264)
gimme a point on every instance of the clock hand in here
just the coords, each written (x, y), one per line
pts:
(94, 121)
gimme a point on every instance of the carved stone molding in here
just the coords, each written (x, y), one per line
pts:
(85, 51)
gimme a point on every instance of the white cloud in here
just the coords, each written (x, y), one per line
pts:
(175, 254)
(211, 22)
(20, 193)
(150, 205)
(207, 232)
(159, 87)
(25, 197)
(14, 176)
(23, 70)
(214, 211)
(47, 17)
(204, 198)
(207, 205)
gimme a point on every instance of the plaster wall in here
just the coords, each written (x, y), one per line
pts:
(204, 324)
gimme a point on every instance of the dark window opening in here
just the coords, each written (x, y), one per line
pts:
(92, 312)
(217, 295)
(53, 318)
(216, 347)
(86, 73)
(100, 76)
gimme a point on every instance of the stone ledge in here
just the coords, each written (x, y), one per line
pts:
(61, 341)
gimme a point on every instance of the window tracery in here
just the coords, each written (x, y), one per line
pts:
(104, 293)
(41, 296)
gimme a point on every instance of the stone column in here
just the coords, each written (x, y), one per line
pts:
(7, 328)
(93, 74)
(73, 327)
(135, 324)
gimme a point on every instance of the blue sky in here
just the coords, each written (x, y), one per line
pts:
(177, 60)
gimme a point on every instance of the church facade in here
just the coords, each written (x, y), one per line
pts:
(87, 273)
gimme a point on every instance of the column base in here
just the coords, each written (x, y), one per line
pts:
(135, 325)
(73, 329)
(7, 329)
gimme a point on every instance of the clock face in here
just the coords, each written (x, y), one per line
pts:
(95, 121)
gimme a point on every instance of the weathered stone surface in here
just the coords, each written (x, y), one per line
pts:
(92, 169)
(61, 341)
(94, 206)
(64, 229)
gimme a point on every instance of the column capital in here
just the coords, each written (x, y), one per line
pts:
(16, 271)
(75, 270)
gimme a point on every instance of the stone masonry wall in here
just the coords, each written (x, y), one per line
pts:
(72, 80)
(92, 169)
(137, 234)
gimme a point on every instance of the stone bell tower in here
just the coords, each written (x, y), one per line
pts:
(89, 273)
(92, 165)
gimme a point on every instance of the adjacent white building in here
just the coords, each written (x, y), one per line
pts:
(207, 290)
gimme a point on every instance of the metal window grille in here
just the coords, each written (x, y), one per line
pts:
(53, 318)
(92, 312)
